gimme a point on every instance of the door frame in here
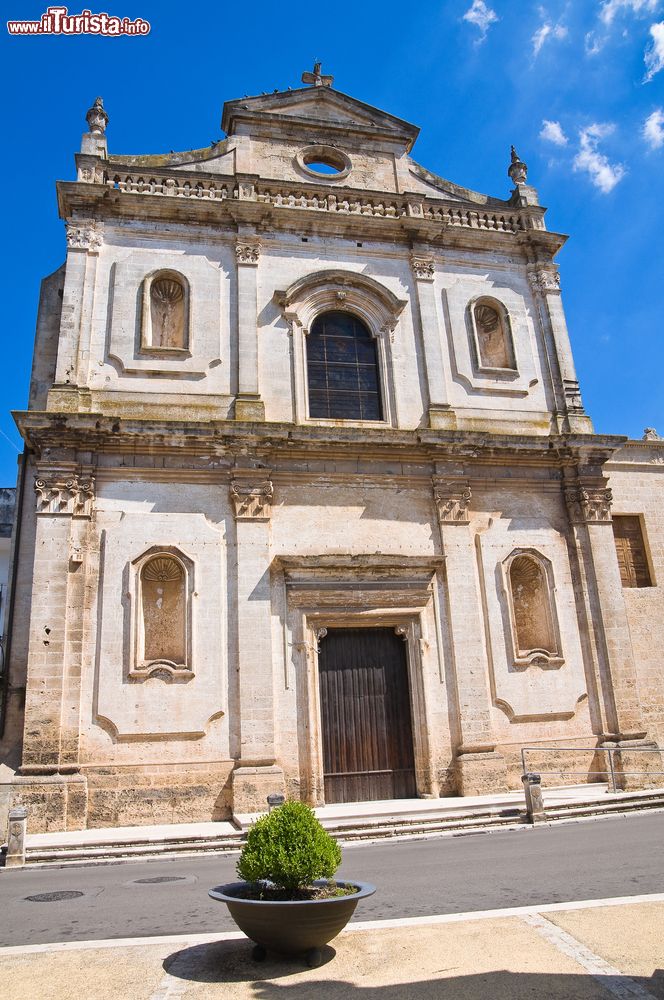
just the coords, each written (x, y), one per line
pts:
(407, 627)
(317, 622)
(351, 591)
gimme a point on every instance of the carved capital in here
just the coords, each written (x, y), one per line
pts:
(588, 504)
(247, 251)
(544, 280)
(62, 494)
(85, 234)
(452, 501)
(252, 501)
(423, 267)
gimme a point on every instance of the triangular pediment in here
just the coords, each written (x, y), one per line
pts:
(316, 107)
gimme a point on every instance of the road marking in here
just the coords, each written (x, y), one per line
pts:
(607, 976)
(358, 925)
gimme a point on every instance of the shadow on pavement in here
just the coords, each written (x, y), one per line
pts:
(231, 962)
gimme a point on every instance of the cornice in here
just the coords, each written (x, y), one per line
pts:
(273, 204)
(93, 432)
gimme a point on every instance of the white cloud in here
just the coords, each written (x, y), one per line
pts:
(654, 54)
(481, 16)
(653, 129)
(552, 132)
(547, 30)
(603, 174)
(593, 43)
(611, 8)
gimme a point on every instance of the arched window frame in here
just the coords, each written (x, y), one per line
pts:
(140, 667)
(146, 315)
(501, 309)
(533, 657)
(341, 291)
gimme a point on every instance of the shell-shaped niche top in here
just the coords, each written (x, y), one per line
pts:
(167, 290)
(487, 318)
(162, 569)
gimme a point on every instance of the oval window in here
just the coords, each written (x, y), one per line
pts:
(324, 161)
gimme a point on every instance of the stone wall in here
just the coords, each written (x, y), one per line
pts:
(637, 479)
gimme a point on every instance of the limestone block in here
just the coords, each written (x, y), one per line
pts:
(252, 785)
(481, 773)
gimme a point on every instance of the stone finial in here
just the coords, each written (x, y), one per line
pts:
(316, 79)
(650, 434)
(97, 118)
(517, 170)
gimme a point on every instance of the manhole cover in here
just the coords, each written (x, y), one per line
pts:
(160, 878)
(55, 897)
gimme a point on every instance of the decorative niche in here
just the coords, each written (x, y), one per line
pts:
(530, 592)
(161, 619)
(493, 344)
(165, 314)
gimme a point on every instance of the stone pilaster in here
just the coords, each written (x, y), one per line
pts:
(248, 405)
(256, 774)
(545, 283)
(64, 501)
(479, 768)
(441, 414)
(85, 238)
(589, 507)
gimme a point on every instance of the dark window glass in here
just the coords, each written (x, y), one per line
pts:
(342, 369)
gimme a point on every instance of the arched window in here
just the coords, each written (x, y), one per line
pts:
(533, 614)
(493, 338)
(342, 369)
(164, 612)
(165, 312)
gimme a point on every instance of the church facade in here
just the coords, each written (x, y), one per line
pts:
(310, 502)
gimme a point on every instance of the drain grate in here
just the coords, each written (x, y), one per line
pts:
(160, 878)
(55, 897)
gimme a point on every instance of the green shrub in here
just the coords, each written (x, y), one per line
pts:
(290, 848)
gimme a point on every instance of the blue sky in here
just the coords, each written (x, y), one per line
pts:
(578, 87)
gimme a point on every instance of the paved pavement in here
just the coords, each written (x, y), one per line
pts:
(584, 860)
(605, 952)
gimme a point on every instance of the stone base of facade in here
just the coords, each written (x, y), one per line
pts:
(55, 802)
(250, 408)
(127, 797)
(252, 785)
(481, 773)
(636, 767)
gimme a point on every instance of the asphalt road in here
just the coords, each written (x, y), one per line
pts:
(561, 863)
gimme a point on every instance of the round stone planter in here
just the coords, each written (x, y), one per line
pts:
(297, 927)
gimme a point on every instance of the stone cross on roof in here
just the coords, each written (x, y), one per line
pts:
(316, 79)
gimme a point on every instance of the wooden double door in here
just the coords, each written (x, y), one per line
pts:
(367, 729)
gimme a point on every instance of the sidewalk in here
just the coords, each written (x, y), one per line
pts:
(592, 950)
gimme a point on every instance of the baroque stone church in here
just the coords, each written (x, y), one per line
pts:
(310, 502)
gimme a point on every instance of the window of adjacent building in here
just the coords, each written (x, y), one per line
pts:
(531, 602)
(163, 593)
(492, 335)
(342, 369)
(630, 546)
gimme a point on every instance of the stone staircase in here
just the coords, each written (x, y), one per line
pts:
(352, 822)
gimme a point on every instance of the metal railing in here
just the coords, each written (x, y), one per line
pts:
(610, 771)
